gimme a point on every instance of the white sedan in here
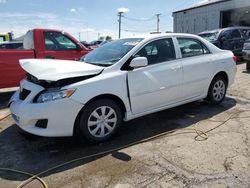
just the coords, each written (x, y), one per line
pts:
(119, 81)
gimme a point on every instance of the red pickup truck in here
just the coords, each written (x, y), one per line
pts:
(38, 43)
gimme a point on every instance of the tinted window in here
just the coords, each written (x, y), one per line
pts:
(58, 41)
(158, 51)
(226, 35)
(3, 46)
(192, 47)
(17, 46)
(246, 33)
(236, 34)
(10, 46)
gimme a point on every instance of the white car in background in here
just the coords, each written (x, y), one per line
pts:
(121, 80)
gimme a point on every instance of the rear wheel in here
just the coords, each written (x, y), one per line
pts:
(248, 65)
(217, 90)
(100, 120)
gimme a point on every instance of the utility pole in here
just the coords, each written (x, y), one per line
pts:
(120, 23)
(79, 36)
(158, 22)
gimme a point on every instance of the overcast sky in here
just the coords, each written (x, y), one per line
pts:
(90, 18)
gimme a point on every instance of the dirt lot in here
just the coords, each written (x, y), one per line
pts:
(179, 159)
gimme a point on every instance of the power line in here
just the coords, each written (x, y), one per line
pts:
(137, 31)
(139, 19)
(138, 25)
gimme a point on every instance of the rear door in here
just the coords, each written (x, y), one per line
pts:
(157, 84)
(238, 40)
(59, 46)
(232, 40)
(245, 33)
(197, 67)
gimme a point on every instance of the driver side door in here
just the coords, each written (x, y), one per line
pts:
(157, 84)
(59, 46)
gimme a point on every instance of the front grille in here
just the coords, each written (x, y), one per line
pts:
(24, 94)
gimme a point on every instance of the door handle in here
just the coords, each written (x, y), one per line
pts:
(50, 57)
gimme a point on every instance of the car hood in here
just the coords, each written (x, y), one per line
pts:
(54, 70)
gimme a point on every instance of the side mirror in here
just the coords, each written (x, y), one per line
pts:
(139, 62)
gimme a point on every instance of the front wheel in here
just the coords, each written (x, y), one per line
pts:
(217, 90)
(100, 120)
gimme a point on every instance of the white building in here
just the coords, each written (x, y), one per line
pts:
(212, 14)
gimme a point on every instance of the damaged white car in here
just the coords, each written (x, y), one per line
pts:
(119, 81)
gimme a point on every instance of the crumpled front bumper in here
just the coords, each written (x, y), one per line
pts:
(60, 114)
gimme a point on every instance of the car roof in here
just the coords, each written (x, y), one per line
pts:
(224, 29)
(153, 36)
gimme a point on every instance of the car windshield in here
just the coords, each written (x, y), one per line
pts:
(210, 36)
(111, 52)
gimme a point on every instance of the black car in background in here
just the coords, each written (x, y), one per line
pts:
(85, 43)
(231, 38)
(11, 45)
(246, 53)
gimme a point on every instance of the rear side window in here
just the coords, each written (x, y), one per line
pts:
(158, 51)
(246, 33)
(236, 34)
(58, 41)
(192, 47)
(11, 46)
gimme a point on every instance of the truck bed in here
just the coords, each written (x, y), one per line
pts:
(9, 63)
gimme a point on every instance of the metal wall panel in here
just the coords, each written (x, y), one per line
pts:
(204, 18)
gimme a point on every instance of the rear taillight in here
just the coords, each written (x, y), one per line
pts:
(235, 58)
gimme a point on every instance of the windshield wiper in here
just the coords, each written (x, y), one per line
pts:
(101, 64)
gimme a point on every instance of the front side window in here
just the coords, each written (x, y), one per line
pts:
(227, 35)
(158, 51)
(58, 41)
(192, 47)
(111, 52)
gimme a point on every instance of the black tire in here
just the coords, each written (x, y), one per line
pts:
(27, 135)
(213, 96)
(87, 118)
(248, 65)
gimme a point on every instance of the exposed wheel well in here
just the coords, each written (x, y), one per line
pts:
(223, 74)
(104, 96)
